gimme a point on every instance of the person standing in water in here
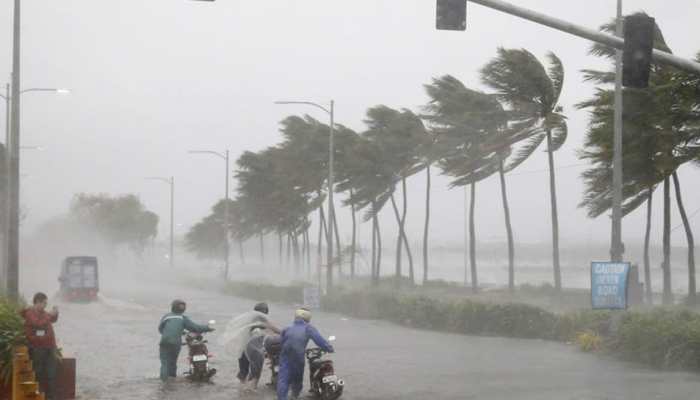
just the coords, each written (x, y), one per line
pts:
(294, 341)
(251, 353)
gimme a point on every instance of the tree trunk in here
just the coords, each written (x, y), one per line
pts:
(379, 251)
(399, 239)
(692, 298)
(319, 249)
(411, 272)
(472, 240)
(647, 264)
(374, 248)
(242, 254)
(288, 264)
(262, 248)
(297, 253)
(555, 214)
(281, 245)
(509, 230)
(307, 239)
(338, 249)
(426, 225)
(668, 293)
(353, 244)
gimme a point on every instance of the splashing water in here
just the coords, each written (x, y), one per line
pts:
(240, 330)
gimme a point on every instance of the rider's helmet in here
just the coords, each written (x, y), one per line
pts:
(262, 307)
(178, 306)
(303, 313)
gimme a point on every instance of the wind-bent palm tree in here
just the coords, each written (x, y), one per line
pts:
(660, 134)
(398, 133)
(470, 139)
(531, 93)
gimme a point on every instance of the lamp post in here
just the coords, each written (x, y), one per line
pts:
(10, 242)
(224, 156)
(331, 208)
(170, 181)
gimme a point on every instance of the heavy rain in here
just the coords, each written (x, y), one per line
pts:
(323, 199)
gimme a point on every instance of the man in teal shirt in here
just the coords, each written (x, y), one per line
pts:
(171, 327)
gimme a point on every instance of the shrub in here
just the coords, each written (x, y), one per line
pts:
(11, 335)
(663, 338)
(589, 341)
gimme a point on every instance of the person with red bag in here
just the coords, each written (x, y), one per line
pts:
(42, 342)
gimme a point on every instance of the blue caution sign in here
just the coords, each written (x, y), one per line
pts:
(609, 285)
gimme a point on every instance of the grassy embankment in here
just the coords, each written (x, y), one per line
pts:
(666, 338)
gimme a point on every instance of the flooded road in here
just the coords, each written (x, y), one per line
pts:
(116, 345)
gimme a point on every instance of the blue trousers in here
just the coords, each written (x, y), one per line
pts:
(291, 375)
(168, 360)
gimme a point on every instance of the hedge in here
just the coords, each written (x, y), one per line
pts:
(666, 338)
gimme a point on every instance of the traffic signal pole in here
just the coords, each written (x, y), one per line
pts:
(617, 249)
(585, 33)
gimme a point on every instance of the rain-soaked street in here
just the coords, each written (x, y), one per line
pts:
(115, 342)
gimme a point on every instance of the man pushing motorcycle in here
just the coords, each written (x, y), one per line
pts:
(294, 341)
(171, 327)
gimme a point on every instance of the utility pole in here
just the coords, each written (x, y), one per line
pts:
(225, 223)
(170, 181)
(13, 218)
(331, 208)
(616, 246)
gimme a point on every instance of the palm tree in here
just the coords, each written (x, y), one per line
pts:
(398, 133)
(660, 129)
(471, 142)
(531, 92)
(370, 180)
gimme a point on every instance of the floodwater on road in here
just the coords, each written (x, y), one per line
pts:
(115, 342)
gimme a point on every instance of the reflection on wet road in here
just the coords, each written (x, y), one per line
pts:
(115, 342)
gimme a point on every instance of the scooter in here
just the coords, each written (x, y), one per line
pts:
(198, 357)
(325, 384)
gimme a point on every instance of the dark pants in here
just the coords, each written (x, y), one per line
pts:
(168, 360)
(44, 364)
(243, 367)
(256, 357)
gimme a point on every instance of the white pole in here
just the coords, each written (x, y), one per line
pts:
(616, 250)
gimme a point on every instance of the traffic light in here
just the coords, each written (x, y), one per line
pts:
(451, 15)
(636, 57)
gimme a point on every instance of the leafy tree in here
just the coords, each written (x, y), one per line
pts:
(120, 220)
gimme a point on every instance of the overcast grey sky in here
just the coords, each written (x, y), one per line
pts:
(154, 78)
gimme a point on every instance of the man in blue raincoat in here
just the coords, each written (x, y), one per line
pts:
(292, 360)
(171, 327)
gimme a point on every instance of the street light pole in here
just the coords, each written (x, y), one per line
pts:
(331, 208)
(227, 248)
(13, 237)
(170, 181)
(616, 248)
(225, 157)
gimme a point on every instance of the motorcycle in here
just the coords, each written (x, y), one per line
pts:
(325, 384)
(273, 346)
(198, 357)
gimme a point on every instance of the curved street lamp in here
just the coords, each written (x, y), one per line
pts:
(170, 181)
(224, 156)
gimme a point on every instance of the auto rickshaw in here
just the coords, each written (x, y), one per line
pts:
(79, 279)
